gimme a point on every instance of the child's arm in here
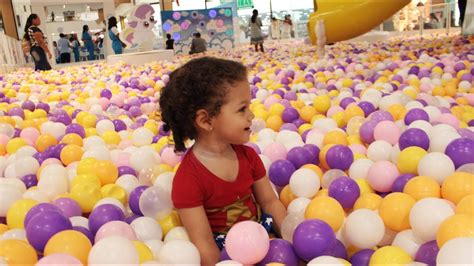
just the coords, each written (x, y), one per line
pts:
(199, 231)
(267, 199)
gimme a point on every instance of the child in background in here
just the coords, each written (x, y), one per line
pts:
(169, 42)
(220, 181)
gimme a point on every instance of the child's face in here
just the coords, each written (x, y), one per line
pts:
(233, 123)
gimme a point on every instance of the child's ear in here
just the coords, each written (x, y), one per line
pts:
(203, 120)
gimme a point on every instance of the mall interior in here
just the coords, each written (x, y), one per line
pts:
(237, 132)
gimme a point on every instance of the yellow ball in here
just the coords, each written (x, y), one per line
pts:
(335, 137)
(69, 242)
(397, 111)
(89, 121)
(86, 195)
(14, 144)
(71, 153)
(421, 187)
(395, 211)
(369, 201)
(274, 122)
(45, 141)
(390, 255)
(466, 205)
(3, 228)
(17, 212)
(457, 186)
(90, 131)
(364, 186)
(111, 137)
(458, 225)
(169, 222)
(261, 113)
(106, 171)
(339, 118)
(152, 126)
(85, 178)
(86, 166)
(286, 196)
(409, 158)
(17, 252)
(72, 138)
(276, 109)
(307, 113)
(326, 209)
(322, 192)
(304, 127)
(352, 111)
(322, 103)
(144, 252)
(322, 156)
(114, 191)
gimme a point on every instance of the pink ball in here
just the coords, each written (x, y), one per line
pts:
(448, 119)
(125, 143)
(122, 159)
(59, 259)
(381, 175)
(334, 109)
(117, 101)
(425, 87)
(104, 103)
(275, 151)
(115, 228)
(470, 98)
(247, 242)
(4, 139)
(30, 134)
(388, 131)
(270, 101)
(169, 157)
(358, 148)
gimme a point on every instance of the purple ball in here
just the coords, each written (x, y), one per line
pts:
(224, 256)
(134, 199)
(466, 133)
(414, 137)
(77, 129)
(280, 172)
(427, 253)
(399, 183)
(346, 101)
(465, 77)
(280, 251)
(40, 208)
(28, 105)
(106, 94)
(289, 114)
(338, 250)
(126, 170)
(314, 151)
(367, 107)
(30, 180)
(64, 119)
(135, 111)
(68, 207)
(298, 122)
(119, 125)
(290, 95)
(461, 151)
(289, 126)
(103, 214)
(17, 111)
(416, 114)
(312, 238)
(362, 257)
(131, 218)
(298, 156)
(43, 106)
(345, 190)
(459, 66)
(380, 115)
(339, 157)
(85, 232)
(414, 70)
(43, 226)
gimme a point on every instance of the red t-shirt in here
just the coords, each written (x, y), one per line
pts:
(226, 203)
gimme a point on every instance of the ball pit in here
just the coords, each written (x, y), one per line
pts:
(370, 148)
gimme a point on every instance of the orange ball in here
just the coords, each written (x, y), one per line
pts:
(106, 171)
(274, 122)
(71, 153)
(307, 113)
(45, 141)
(286, 196)
(395, 211)
(322, 156)
(457, 186)
(72, 138)
(421, 187)
(335, 137)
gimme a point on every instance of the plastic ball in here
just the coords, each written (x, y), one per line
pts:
(86, 195)
(364, 228)
(427, 215)
(395, 209)
(414, 137)
(390, 255)
(436, 165)
(382, 175)
(466, 205)
(339, 157)
(379, 150)
(345, 190)
(17, 252)
(409, 158)
(422, 187)
(457, 186)
(369, 201)
(155, 202)
(113, 250)
(304, 183)
(311, 238)
(69, 242)
(115, 228)
(45, 225)
(461, 151)
(456, 251)
(387, 131)
(71, 153)
(59, 259)
(427, 253)
(189, 254)
(17, 212)
(326, 209)
(147, 228)
(458, 225)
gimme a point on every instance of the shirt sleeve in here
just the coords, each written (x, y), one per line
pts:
(186, 191)
(258, 169)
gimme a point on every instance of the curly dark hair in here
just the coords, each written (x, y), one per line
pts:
(201, 83)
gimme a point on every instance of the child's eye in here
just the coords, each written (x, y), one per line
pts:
(243, 109)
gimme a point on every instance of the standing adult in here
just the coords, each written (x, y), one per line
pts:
(256, 37)
(64, 52)
(114, 36)
(275, 29)
(287, 27)
(37, 41)
(87, 39)
(75, 47)
(462, 4)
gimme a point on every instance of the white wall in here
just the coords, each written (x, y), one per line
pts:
(19, 7)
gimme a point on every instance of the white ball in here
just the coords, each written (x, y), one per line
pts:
(364, 228)
(188, 253)
(104, 125)
(229, 262)
(395, 154)
(379, 150)
(93, 141)
(440, 140)
(79, 221)
(423, 125)
(147, 228)
(8, 195)
(325, 125)
(407, 241)
(457, 251)
(154, 245)
(285, 136)
(19, 234)
(261, 95)
(177, 233)
(26, 166)
(36, 194)
(15, 182)
(53, 185)
(142, 136)
(427, 215)
(113, 250)
(127, 182)
(289, 224)
(266, 134)
(433, 112)
(437, 165)
(164, 181)
(25, 151)
(98, 152)
(298, 205)
(315, 137)
(304, 183)
(331, 175)
(143, 159)
(112, 201)
(325, 260)
(360, 168)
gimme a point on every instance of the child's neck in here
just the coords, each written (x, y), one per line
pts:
(211, 148)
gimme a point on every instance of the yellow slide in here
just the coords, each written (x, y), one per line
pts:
(346, 19)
